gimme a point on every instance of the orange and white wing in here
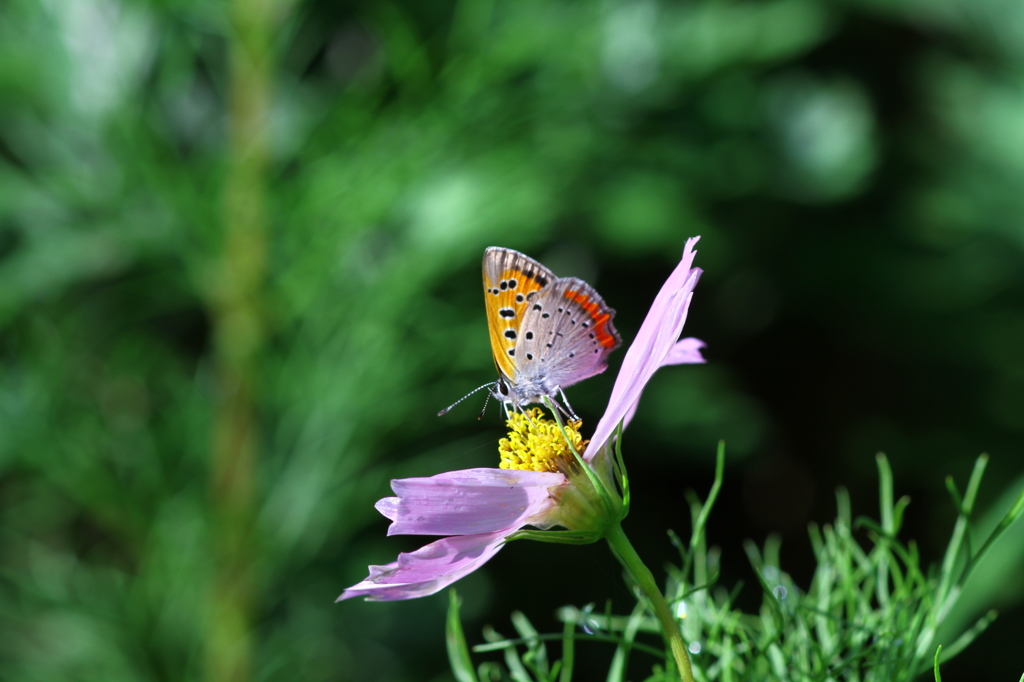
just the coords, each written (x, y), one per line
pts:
(510, 281)
(567, 335)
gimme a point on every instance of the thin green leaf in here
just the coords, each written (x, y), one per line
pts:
(536, 655)
(455, 639)
(617, 669)
(1012, 515)
(702, 518)
(568, 651)
(970, 635)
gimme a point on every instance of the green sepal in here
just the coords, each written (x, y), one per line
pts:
(615, 507)
(562, 537)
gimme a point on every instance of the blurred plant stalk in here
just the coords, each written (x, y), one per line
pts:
(239, 335)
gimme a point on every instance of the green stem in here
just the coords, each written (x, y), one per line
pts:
(236, 302)
(625, 553)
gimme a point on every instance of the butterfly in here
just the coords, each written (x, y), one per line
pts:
(546, 332)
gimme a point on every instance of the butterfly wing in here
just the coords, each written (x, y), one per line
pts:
(509, 279)
(566, 335)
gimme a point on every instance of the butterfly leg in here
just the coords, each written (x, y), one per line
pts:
(567, 410)
(527, 415)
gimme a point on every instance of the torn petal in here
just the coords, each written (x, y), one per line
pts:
(657, 336)
(686, 351)
(429, 569)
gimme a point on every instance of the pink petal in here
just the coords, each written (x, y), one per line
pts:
(654, 342)
(429, 569)
(686, 351)
(468, 502)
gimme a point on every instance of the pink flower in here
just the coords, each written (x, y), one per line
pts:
(478, 509)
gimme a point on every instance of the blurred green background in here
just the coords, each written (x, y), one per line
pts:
(239, 274)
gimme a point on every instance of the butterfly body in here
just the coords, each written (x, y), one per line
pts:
(546, 332)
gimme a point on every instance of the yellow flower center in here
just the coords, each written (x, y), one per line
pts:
(537, 444)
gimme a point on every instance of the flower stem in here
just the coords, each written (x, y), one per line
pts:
(625, 553)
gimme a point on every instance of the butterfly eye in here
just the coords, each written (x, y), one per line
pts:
(502, 388)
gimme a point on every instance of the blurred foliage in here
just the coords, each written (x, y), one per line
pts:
(854, 169)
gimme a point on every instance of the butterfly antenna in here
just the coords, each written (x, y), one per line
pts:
(445, 410)
(486, 400)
